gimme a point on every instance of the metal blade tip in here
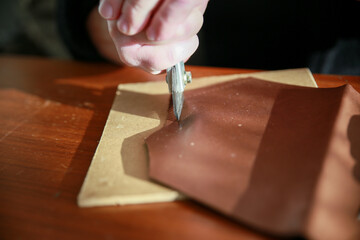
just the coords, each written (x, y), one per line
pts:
(178, 100)
(177, 113)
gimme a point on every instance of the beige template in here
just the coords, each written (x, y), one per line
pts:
(118, 173)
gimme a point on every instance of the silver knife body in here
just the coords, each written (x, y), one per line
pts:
(177, 78)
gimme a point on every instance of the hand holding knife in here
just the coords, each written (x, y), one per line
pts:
(152, 35)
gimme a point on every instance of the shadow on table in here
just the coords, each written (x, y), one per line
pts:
(65, 87)
(133, 150)
(353, 135)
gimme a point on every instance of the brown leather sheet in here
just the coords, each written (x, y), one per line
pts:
(280, 158)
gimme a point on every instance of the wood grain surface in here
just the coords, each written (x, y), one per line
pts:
(52, 114)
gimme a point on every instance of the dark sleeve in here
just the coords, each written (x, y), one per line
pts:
(71, 21)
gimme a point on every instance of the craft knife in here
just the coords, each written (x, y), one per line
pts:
(177, 78)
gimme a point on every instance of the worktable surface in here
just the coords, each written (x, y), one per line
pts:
(52, 114)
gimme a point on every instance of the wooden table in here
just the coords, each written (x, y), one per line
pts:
(52, 114)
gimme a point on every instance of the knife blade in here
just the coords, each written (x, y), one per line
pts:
(177, 78)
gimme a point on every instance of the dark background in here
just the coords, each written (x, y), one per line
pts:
(320, 34)
(262, 34)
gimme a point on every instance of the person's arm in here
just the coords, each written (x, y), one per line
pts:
(97, 28)
(72, 19)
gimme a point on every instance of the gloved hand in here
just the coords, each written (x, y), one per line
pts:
(153, 34)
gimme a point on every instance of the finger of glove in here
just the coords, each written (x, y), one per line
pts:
(190, 27)
(110, 9)
(133, 51)
(135, 15)
(155, 58)
(170, 15)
